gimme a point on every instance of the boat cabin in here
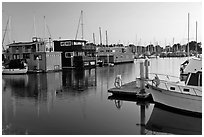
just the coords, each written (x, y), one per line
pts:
(194, 79)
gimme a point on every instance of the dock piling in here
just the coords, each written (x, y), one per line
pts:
(142, 85)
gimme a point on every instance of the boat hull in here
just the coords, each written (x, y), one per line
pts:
(14, 71)
(177, 100)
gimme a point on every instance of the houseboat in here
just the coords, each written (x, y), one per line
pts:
(114, 55)
(76, 53)
(38, 54)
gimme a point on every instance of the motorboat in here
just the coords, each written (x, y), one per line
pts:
(15, 67)
(185, 96)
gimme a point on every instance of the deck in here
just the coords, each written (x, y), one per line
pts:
(130, 89)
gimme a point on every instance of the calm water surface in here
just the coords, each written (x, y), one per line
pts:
(76, 102)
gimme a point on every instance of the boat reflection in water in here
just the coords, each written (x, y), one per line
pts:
(79, 79)
(30, 97)
(161, 121)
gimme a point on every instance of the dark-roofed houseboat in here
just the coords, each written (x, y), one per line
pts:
(76, 53)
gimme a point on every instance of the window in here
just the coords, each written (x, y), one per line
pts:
(16, 56)
(68, 43)
(26, 56)
(39, 57)
(68, 54)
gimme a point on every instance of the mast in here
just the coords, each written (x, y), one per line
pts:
(82, 31)
(100, 36)
(93, 38)
(188, 35)
(34, 28)
(5, 34)
(108, 47)
(44, 27)
(80, 21)
(106, 38)
(196, 36)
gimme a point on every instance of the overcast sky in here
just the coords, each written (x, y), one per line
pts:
(131, 22)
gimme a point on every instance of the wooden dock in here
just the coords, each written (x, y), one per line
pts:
(130, 90)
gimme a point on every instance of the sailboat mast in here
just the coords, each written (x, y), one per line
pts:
(196, 37)
(94, 38)
(5, 34)
(106, 38)
(100, 36)
(82, 29)
(107, 46)
(34, 27)
(44, 27)
(188, 35)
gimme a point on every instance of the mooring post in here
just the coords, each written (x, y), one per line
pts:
(142, 85)
(147, 64)
(38, 63)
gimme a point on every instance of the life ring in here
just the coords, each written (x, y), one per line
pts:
(156, 81)
(118, 81)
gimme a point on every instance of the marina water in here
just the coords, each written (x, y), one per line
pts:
(75, 102)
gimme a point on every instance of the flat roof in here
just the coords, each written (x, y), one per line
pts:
(24, 43)
(77, 40)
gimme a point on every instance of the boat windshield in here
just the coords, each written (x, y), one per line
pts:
(194, 79)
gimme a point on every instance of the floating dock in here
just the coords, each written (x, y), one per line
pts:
(130, 90)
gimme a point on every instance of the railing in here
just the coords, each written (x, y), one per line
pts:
(173, 86)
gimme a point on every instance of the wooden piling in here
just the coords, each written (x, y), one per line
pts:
(142, 85)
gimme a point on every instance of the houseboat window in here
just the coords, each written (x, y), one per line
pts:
(68, 54)
(80, 53)
(113, 51)
(68, 43)
(16, 56)
(39, 57)
(26, 56)
(62, 44)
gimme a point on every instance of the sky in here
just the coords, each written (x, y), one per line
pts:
(139, 23)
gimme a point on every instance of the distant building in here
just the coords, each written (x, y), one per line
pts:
(37, 53)
(76, 53)
(115, 55)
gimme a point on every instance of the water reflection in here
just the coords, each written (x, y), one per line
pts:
(143, 105)
(74, 102)
(79, 79)
(160, 120)
(165, 121)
